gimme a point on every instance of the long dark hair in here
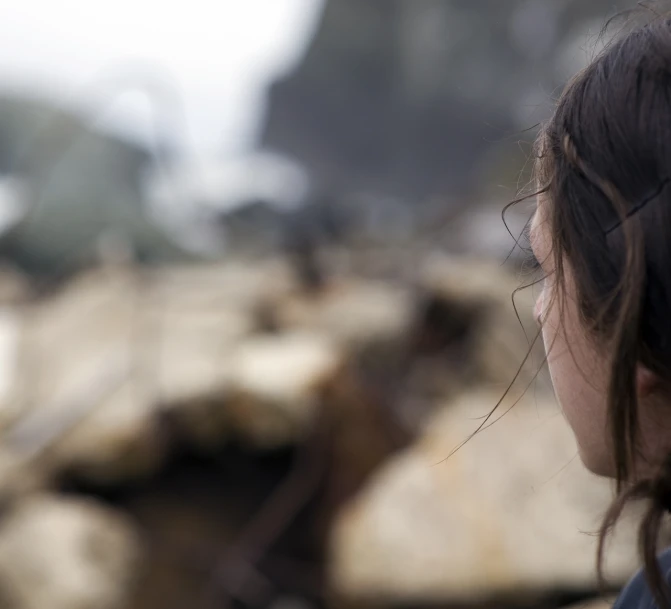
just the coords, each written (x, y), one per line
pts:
(604, 164)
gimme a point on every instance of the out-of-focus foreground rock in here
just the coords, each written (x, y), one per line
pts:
(507, 515)
(258, 439)
(64, 553)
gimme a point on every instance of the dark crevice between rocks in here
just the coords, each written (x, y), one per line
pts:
(235, 526)
(194, 511)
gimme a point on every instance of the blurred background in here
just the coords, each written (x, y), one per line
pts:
(255, 291)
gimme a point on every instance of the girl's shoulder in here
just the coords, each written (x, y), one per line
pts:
(636, 594)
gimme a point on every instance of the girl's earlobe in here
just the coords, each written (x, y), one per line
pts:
(646, 381)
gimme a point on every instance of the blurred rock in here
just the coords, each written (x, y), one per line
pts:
(353, 312)
(501, 326)
(15, 287)
(101, 362)
(421, 98)
(235, 283)
(103, 358)
(277, 381)
(197, 316)
(21, 475)
(65, 554)
(500, 334)
(86, 395)
(464, 334)
(202, 315)
(504, 516)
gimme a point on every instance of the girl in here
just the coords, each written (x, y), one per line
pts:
(602, 236)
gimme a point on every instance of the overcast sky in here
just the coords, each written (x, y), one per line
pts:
(217, 55)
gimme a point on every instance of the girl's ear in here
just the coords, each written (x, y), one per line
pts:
(646, 381)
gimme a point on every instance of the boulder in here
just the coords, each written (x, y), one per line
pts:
(15, 287)
(65, 553)
(101, 360)
(500, 334)
(354, 312)
(276, 386)
(86, 396)
(197, 316)
(509, 514)
(244, 283)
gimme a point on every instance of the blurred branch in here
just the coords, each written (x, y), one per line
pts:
(236, 567)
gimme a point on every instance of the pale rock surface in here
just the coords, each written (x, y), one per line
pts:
(240, 283)
(500, 340)
(354, 312)
(511, 512)
(276, 382)
(81, 373)
(98, 360)
(59, 553)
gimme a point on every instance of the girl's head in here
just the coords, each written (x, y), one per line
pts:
(602, 235)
